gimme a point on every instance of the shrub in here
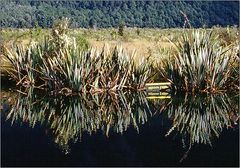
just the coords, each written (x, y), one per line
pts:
(61, 64)
(200, 64)
(120, 29)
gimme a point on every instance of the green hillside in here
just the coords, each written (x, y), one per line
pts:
(163, 14)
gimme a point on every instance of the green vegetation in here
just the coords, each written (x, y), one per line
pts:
(198, 61)
(164, 14)
(200, 64)
(120, 29)
(60, 64)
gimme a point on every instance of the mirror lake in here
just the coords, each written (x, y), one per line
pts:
(119, 129)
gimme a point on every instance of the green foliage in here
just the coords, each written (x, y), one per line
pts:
(113, 34)
(108, 14)
(81, 41)
(61, 64)
(138, 32)
(121, 29)
(200, 64)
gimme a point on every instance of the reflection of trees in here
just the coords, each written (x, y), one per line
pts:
(198, 119)
(69, 117)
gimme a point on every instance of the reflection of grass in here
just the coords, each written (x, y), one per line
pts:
(197, 119)
(68, 117)
(202, 118)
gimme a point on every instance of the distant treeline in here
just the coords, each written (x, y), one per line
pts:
(164, 14)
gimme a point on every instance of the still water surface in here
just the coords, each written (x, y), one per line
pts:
(123, 129)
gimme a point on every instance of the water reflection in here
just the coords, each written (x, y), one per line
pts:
(200, 119)
(69, 117)
(196, 119)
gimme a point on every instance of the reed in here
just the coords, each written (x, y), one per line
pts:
(62, 64)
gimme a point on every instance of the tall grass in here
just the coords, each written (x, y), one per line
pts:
(200, 64)
(59, 64)
(63, 64)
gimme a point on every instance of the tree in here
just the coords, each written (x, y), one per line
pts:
(110, 13)
(121, 28)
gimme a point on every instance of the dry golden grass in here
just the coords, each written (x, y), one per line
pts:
(142, 48)
(150, 42)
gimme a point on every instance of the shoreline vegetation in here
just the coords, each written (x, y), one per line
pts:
(111, 83)
(198, 61)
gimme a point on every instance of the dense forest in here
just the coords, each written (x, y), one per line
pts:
(163, 14)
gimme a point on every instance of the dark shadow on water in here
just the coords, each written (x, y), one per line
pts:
(119, 129)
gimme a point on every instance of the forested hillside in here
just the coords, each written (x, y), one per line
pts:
(23, 13)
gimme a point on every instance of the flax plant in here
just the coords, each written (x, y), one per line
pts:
(59, 64)
(22, 64)
(200, 64)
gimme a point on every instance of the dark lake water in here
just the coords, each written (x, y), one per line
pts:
(123, 129)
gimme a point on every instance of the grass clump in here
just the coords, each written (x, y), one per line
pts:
(60, 64)
(200, 64)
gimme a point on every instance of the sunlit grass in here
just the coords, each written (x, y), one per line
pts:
(200, 64)
(60, 64)
(64, 62)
